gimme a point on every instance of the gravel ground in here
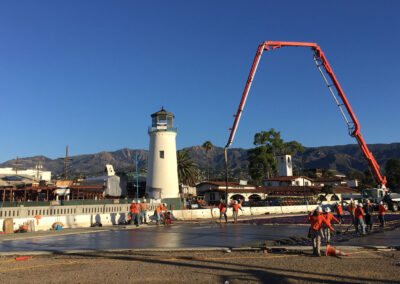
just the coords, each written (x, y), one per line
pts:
(203, 267)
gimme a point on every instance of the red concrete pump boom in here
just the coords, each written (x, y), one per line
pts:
(333, 84)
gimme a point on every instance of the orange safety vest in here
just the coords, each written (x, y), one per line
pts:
(146, 207)
(359, 213)
(382, 209)
(236, 207)
(134, 208)
(329, 217)
(222, 207)
(339, 209)
(317, 222)
(160, 208)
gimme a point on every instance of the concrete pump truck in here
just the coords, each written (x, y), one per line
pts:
(375, 195)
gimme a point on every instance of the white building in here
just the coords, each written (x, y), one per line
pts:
(162, 177)
(289, 181)
(36, 174)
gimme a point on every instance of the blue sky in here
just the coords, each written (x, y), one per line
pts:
(90, 73)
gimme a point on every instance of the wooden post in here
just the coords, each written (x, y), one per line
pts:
(47, 195)
(25, 194)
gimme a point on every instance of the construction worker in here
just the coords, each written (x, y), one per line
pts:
(140, 210)
(236, 206)
(369, 221)
(328, 217)
(144, 211)
(351, 208)
(317, 220)
(159, 211)
(359, 218)
(339, 212)
(222, 211)
(134, 213)
(381, 215)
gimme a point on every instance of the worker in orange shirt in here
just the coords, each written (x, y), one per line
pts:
(143, 216)
(236, 206)
(134, 213)
(352, 208)
(339, 212)
(359, 218)
(381, 215)
(317, 220)
(159, 211)
(329, 218)
(222, 211)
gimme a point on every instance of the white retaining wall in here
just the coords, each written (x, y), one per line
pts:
(111, 214)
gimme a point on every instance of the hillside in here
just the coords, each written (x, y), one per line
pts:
(342, 158)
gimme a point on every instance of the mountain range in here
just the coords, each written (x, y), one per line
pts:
(343, 158)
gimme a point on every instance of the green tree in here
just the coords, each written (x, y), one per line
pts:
(187, 169)
(392, 170)
(368, 180)
(328, 189)
(355, 175)
(208, 146)
(262, 162)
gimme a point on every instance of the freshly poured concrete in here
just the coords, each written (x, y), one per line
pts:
(177, 236)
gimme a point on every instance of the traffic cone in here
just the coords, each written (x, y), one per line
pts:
(334, 252)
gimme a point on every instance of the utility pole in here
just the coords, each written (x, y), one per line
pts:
(16, 165)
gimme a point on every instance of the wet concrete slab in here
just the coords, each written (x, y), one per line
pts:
(386, 238)
(177, 236)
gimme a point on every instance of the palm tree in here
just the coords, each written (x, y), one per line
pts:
(187, 169)
(207, 146)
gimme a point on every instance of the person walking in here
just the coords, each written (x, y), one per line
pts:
(222, 211)
(329, 218)
(236, 206)
(359, 218)
(339, 212)
(352, 208)
(317, 220)
(144, 211)
(369, 221)
(132, 212)
(381, 215)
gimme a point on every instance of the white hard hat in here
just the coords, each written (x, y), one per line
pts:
(165, 204)
(327, 209)
(144, 200)
(236, 202)
(138, 201)
(381, 202)
(319, 209)
(359, 205)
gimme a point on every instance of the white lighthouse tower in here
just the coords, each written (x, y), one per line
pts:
(162, 173)
(285, 165)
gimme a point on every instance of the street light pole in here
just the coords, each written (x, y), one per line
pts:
(226, 175)
(137, 180)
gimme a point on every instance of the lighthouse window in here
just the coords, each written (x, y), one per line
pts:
(162, 154)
